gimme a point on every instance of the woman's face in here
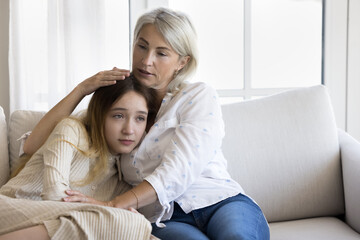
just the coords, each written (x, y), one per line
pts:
(154, 60)
(125, 123)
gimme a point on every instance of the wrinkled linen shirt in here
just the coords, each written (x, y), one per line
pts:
(181, 154)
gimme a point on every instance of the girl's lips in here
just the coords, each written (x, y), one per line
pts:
(126, 142)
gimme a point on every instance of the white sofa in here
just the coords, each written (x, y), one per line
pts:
(286, 152)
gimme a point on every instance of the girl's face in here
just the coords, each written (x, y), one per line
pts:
(125, 123)
(154, 60)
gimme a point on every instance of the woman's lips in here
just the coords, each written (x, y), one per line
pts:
(143, 72)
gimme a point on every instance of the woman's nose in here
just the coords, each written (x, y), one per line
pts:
(147, 59)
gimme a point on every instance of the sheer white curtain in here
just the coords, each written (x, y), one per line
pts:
(55, 44)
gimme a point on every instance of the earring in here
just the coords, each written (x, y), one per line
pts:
(176, 73)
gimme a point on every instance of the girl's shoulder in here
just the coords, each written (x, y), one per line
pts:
(70, 122)
(70, 126)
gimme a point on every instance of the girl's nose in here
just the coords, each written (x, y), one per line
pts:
(128, 128)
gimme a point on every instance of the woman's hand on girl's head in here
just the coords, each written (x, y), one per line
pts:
(76, 196)
(102, 79)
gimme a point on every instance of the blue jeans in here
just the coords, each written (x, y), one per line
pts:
(237, 217)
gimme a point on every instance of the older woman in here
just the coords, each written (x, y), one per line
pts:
(178, 172)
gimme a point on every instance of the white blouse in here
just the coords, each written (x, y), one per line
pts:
(181, 155)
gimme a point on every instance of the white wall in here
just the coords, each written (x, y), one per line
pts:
(4, 48)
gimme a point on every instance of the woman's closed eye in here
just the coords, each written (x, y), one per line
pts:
(142, 46)
(162, 54)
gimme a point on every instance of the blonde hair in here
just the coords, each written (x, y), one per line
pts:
(179, 32)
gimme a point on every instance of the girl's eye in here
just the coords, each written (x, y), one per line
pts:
(141, 118)
(118, 116)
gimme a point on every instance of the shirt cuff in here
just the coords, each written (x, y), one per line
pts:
(159, 189)
(23, 139)
(54, 192)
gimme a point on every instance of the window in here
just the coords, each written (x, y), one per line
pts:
(252, 48)
(54, 45)
(248, 48)
(286, 38)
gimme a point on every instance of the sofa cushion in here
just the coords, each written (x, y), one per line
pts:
(21, 121)
(328, 228)
(284, 151)
(4, 156)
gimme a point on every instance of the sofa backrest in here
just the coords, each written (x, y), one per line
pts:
(284, 151)
(20, 122)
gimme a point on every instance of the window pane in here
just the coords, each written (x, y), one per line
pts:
(286, 43)
(219, 26)
(117, 32)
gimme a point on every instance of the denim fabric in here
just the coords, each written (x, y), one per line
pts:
(234, 218)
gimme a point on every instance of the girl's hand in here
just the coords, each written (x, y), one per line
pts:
(131, 209)
(76, 196)
(102, 79)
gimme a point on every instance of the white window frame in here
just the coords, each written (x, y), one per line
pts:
(335, 56)
(342, 60)
(353, 70)
(248, 91)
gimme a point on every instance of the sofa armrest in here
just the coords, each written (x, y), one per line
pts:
(350, 159)
(4, 152)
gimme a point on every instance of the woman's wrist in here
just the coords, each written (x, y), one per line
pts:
(125, 201)
(137, 199)
(79, 91)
